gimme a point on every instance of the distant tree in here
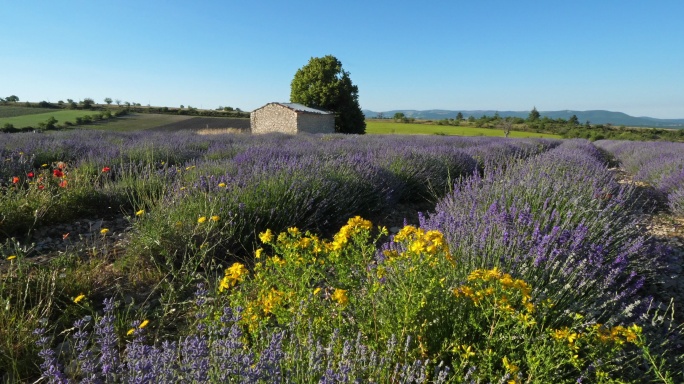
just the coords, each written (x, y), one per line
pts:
(381, 115)
(399, 116)
(2, 101)
(60, 102)
(12, 99)
(573, 120)
(471, 119)
(507, 125)
(228, 109)
(534, 115)
(118, 102)
(108, 100)
(87, 103)
(51, 123)
(72, 105)
(324, 84)
(70, 101)
(128, 104)
(459, 116)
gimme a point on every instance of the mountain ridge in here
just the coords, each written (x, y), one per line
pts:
(597, 116)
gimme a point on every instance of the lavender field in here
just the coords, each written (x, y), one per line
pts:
(174, 257)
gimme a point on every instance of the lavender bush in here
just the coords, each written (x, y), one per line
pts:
(658, 164)
(561, 222)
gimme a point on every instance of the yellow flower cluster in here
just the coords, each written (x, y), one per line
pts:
(618, 334)
(266, 237)
(340, 296)
(236, 273)
(420, 241)
(499, 288)
(354, 226)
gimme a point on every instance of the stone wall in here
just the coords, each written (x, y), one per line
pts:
(315, 123)
(273, 118)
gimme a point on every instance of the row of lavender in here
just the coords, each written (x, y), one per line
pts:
(656, 163)
(558, 223)
(273, 181)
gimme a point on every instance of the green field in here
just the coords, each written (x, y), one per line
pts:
(390, 127)
(33, 120)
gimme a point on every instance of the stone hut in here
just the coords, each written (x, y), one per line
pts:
(291, 118)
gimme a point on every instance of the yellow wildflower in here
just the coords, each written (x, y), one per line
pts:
(510, 367)
(201, 220)
(315, 291)
(293, 231)
(140, 212)
(492, 274)
(405, 233)
(258, 253)
(340, 296)
(143, 324)
(235, 273)
(417, 246)
(272, 300)
(266, 237)
(215, 218)
(104, 231)
(79, 298)
(11, 257)
(467, 351)
(130, 331)
(222, 185)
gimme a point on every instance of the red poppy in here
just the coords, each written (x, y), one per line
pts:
(58, 173)
(63, 183)
(106, 169)
(30, 174)
(41, 186)
(15, 179)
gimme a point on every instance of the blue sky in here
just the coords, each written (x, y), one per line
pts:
(619, 55)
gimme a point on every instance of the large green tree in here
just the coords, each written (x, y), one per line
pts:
(323, 84)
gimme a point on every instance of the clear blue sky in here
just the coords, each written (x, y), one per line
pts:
(619, 55)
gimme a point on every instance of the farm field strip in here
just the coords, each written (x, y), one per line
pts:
(378, 127)
(33, 120)
(13, 111)
(531, 266)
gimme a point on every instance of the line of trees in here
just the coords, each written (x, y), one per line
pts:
(89, 103)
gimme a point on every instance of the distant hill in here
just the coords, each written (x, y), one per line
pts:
(594, 117)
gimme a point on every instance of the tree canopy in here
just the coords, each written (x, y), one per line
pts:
(323, 84)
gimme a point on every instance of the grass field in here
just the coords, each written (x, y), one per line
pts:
(390, 127)
(12, 111)
(33, 120)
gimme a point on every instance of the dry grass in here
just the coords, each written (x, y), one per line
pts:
(219, 131)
